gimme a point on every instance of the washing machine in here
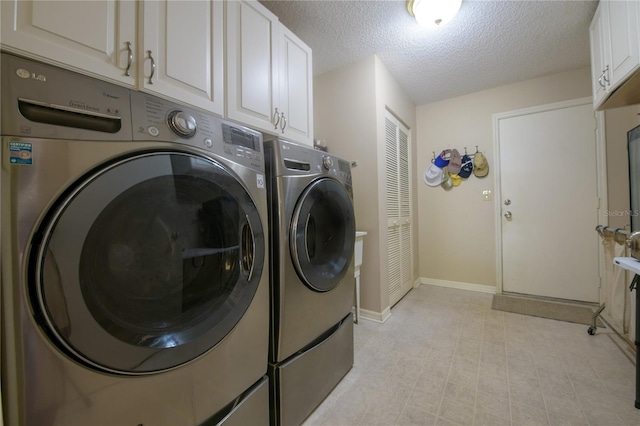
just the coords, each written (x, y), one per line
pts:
(312, 235)
(134, 257)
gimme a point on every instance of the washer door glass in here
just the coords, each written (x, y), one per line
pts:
(322, 234)
(148, 263)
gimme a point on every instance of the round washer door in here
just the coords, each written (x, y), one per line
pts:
(322, 234)
(147, 263)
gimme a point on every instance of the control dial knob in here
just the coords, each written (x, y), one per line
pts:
(182, 124)
(327, 162)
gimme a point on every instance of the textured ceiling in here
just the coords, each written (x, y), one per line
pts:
(488, 43)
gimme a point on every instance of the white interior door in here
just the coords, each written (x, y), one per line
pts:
(549, 202)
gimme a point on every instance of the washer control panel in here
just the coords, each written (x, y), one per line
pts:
(297, 159)
(155, 118)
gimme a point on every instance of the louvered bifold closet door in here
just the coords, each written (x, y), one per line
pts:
(406, 242)
(393, 208)
(399, 221)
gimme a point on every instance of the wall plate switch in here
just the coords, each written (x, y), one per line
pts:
(486, 195)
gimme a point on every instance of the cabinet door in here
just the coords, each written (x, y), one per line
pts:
(182, 55)
(598, 37)
(252, 68)
(295, 88)
(624, 51)
(86, 36)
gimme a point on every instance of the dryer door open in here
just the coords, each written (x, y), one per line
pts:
(322, 234)
(147, 263)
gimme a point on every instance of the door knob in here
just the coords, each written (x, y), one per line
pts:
(507, 215)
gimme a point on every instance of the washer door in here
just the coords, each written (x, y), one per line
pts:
(322, 234)
(147, 263)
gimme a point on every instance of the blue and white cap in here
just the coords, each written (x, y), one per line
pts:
(467, 167)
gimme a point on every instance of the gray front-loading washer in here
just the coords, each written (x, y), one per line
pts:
(312, 236)
(134, 257)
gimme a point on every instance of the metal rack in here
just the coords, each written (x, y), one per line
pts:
(602, 230)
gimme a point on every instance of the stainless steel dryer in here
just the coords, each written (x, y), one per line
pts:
(134, 257)
(312, 235)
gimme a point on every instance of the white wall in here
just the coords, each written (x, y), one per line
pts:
(456, 227)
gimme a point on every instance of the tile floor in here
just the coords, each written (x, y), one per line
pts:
(445, 358)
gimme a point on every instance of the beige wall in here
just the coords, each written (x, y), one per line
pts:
(457, 227)
(349, 108)
(455, 230)
(618, 122)
(391, 97)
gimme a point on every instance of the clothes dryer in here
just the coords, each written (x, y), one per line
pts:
(312, 235)
(134, 257)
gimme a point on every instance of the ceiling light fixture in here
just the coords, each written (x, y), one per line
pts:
(433, 13)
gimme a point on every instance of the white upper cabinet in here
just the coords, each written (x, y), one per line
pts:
(93, 37)
(598, 61)
(615, 46)
(252, 74)
(624, 36)
(296, 88)
(269, 76)
(176, 49)
(182, 52)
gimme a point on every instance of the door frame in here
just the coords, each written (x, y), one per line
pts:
(598, 128)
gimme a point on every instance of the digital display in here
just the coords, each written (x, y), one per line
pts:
(236, 136)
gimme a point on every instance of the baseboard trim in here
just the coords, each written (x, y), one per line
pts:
(379, 317)
(459, 285)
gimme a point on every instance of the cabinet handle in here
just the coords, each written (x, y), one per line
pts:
(600, 81)
(284, 122)
(276, 119)
(605, 74)
(153, 67)
(129, 58)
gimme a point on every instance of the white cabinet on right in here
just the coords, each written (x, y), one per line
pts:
(269, 75)
(295, 88)
(615, 46)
